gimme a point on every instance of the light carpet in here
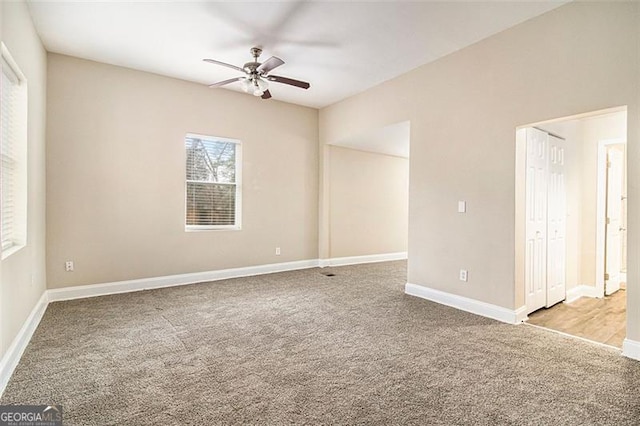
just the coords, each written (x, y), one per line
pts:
(303, 348)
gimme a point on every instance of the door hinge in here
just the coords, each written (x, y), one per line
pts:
(608, 164)
(606, 277)
(608, 221)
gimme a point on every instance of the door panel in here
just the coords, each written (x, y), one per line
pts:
(536, 223)
(556, 223)
(613, 242)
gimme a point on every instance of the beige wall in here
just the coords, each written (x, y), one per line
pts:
(464, 109)
(22, 275)
(369, 203)
(115, 175)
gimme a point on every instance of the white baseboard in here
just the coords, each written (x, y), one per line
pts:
(80, 292)
(631, 349)
(464, 303)
(583, 290)
(354, 260)
(92, 290)
(12, 356)
(521, 314)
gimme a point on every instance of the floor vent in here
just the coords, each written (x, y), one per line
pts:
(328, 274)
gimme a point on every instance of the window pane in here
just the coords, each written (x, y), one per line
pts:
(211, 161)
(7, 155)
(210, 204)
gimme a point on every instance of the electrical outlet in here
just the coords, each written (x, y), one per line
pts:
(68, 266)
(277, 251)
(463, 275)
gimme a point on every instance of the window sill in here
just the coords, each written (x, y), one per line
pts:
(211, 228)
(11, 250)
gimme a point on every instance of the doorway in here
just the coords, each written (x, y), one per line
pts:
(366, 183)
(571, 224)
(611, 248)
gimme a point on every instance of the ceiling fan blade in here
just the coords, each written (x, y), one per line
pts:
(222, 83)
(289, 81)
(269, 64)
(266, 95)
(224, 64)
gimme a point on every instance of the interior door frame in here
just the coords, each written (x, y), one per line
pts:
(601, 208)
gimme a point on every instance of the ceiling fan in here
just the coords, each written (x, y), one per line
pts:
(256, 79)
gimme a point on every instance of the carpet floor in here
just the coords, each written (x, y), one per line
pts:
(304, 348)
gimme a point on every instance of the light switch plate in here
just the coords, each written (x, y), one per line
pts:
(462, 206)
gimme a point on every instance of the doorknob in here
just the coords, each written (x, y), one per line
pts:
(622, 229)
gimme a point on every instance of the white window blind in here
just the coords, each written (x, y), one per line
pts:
(212, 183)
(8, 123)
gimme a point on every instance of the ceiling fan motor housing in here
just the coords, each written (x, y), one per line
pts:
(250, 67)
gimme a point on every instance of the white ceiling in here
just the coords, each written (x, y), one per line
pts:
(341, 48)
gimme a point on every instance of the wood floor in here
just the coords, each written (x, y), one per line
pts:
(600, 320)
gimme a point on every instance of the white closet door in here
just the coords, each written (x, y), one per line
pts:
(556, 220)
(536, 222)
(613, 255)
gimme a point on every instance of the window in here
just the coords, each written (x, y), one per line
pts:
(212, 183)
(13, 156)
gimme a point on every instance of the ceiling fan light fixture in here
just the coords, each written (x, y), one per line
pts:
(259, 86)
(262, 84)
(246, 85)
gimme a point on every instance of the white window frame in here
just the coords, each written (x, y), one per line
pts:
(18, 236)
(238, 175)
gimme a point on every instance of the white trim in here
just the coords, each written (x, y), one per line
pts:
(355, 260)
(15, 239)
(521, 314)
(92, 290)
(6, 252)
(464, 303)
(631, 349)
(601, 194)
(212, 138)
(237, 226)
(581, 291)
(6, 55)
(14, 352)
